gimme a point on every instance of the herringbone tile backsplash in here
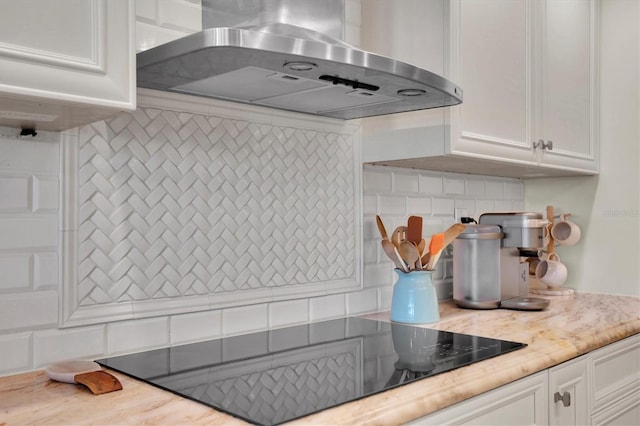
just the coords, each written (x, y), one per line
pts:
(178, 204)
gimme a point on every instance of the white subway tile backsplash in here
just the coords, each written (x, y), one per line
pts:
(28, 310)
(370, 251)
(494, 189)
(418, 205)
(504, 206)
(468, 205)
(514, 190)
(15, 350)
(431, 185)
(57, 345)
(137, 335)
(288, 312)
(362, 301)
(432, 226)
(484, 206)
(392, 205)
(45, 194)
(196, 326)
(376, 275)
(443, 206)
(454, 186)
(474, 188)
(45, 270)
(377, 181)
(244, 319)
(15, 271)
(405, 183)
(385, 295)
(23, 231)
(27, 157)
(369, 204)
(325, 307)
(14, 194)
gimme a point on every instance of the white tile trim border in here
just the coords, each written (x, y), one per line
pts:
(72, 314)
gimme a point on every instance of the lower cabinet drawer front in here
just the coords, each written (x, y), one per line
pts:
(615, 372)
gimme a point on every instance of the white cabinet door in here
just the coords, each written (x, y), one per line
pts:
(65, 62)
(567, 71)
(615, 393)
(528, 70)
(568, 393)
(493, 68)
(520, 403)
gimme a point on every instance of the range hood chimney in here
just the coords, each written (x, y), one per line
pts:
(288, 54)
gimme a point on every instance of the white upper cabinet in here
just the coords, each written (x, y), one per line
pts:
(66, 62)
(528, 72)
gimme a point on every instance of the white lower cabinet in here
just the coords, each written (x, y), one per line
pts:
(615, 376)
(568, 393)
(599, 388)
(520, 403)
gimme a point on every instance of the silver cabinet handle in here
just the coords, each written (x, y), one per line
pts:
(565, 398)
(541, 144)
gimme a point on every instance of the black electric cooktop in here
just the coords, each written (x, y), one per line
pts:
(275, 376)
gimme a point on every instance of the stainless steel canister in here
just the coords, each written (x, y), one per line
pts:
(476, 267)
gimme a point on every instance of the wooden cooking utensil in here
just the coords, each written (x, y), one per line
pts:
(87, 373)
(442, 240)
(399, 234)
(381, 228)
(452, 233)
(414, 229)
(435, 247)
(422, 247)
(392, 253)
(409, 253)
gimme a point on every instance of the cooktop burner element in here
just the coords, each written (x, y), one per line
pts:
(275, 376)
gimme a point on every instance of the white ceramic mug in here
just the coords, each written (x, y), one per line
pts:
(565, 233)
(551, 272)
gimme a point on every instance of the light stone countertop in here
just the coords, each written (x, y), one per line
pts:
(571, 326)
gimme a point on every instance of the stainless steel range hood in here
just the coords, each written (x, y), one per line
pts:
(286, 54)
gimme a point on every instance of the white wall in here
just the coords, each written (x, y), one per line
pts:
(606, 207)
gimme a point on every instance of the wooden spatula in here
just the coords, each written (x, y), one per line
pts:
(414, 229)
(435, 247)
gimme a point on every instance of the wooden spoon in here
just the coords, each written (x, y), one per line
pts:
(392, 253)
(381, 228)
(398, 235)
(409, 252)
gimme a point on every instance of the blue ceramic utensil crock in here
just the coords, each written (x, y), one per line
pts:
(414, 298)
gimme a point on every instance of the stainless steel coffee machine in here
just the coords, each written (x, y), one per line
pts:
(500, 279)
